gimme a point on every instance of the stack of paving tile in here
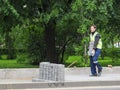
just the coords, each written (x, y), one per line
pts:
(51, 72)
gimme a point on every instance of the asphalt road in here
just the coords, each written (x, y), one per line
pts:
(79, 88)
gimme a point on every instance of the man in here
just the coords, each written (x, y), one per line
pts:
(94, 51)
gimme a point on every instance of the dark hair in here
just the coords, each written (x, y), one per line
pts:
(94, 26)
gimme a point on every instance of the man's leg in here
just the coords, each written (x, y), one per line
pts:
(92, 65)
(99, 69)
(95, 60)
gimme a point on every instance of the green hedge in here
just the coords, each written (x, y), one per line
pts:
(113, 53)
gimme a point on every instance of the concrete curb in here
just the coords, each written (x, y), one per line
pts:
(58, 84)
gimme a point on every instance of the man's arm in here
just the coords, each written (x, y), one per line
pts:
(97, 37)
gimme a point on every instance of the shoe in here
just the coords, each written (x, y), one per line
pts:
(93, 75)
(99, 72)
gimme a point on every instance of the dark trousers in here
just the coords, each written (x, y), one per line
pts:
(94, 62)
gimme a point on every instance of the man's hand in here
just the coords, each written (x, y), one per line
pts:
(93, 52)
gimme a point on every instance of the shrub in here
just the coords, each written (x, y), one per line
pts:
(22, 58)
(113, 53)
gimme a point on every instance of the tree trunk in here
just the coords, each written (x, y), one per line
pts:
(112, 42)
(51, 55)
(63, 51)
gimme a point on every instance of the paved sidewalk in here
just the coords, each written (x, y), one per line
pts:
(71, 78)
(74, 77)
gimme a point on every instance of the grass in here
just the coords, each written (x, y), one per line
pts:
(5, 63)
(14, 64)
(72, 59)
(75, 61)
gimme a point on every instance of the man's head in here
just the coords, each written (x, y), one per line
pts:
(93, 28)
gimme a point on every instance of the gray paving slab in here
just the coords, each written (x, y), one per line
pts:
(74, 77)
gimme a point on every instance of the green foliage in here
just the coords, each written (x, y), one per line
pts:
(7, 8)
(29, 38)
(20, 36)
(113, 53)
(23, 25)
(78, 61)
(3, 57)
(35, 45)
(22, 58)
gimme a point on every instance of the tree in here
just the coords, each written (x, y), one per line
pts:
(54, 26)
(8, 16)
